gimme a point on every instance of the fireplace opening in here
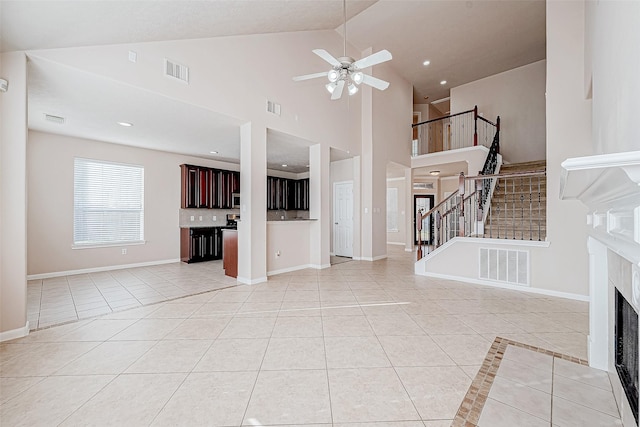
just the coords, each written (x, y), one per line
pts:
(626, 330)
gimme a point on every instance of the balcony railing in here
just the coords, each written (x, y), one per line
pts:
(461, 130)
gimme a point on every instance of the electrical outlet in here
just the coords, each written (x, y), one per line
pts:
(193, 218)
(124, 251)
(277, 253)
(215, 218)
(200, 218)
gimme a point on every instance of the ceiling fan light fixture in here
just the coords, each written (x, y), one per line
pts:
(331, 86)
(353, 89)
(333, 75)
(357, 77)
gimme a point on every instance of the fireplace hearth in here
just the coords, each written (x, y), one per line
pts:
(626, 342)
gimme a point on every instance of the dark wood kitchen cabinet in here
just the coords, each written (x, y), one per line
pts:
(200, 244)
(287, 194)
(203, 187)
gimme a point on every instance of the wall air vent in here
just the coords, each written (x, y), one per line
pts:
(273, 107)
(55, 119)
(506, 266)
(176, 71)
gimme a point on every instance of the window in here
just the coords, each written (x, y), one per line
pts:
(108, 203)
(392, 209)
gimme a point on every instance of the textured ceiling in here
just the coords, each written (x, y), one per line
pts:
(45, 24)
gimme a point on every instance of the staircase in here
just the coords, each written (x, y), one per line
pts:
(519, 204)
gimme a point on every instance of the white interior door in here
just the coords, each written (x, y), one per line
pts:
(343, 219)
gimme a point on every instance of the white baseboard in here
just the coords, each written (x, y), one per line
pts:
(298, 267)
(396, 243)
(15, 333)
(246, 281)
(375, 258)
(288, 269)
(408, 250)
(332, 253)
(540, 291)
(99, 269)
(356, 258)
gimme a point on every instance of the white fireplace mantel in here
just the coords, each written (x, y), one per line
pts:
(609, 185)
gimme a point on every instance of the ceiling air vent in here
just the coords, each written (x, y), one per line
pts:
(55, 119)
(175, 70)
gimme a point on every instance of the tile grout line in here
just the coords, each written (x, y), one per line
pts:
(326, 363)
(413, 403)
(244, 414)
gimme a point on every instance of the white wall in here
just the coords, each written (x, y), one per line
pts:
(291, 239)
(615, 68)
(518, 97)
(392, 117)
(564, 266)
(13, 188)
(50, 203)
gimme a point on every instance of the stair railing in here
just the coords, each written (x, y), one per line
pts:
(515, 210)
(455, 131)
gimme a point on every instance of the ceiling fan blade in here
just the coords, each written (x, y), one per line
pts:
(327, 57)
(337, 93)
(310, 76)
(375, 82)
(375, 59)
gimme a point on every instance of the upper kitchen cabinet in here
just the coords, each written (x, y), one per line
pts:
(204, 187)
(287, 194)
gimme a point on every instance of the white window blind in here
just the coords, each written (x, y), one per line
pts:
(392, 209)
(108, 203)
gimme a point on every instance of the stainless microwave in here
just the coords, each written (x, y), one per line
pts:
(235, 200)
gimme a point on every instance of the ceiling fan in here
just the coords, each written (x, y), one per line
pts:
(346, 71)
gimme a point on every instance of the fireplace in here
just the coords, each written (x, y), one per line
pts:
(626, 351)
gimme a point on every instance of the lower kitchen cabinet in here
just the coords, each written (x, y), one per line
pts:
(200, 244)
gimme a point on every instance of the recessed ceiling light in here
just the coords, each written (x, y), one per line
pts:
(284, 166)
(434, 173)
(427, 62)
(213, 152)
(125, 124)
(443, 82)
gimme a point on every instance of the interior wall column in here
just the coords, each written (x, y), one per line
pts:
(319, 202)
(366, 211)
(252, 228)
(13, 197)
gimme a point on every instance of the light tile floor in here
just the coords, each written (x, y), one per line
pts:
(68, 298)
(360, 342)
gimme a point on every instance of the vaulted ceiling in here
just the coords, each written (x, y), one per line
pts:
(463, 40)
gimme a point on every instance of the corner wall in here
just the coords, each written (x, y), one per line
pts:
(13, 195)
(564, 266)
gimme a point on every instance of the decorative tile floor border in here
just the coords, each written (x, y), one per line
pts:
(471, 407)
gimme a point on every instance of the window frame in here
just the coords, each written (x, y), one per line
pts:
(89, 244)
